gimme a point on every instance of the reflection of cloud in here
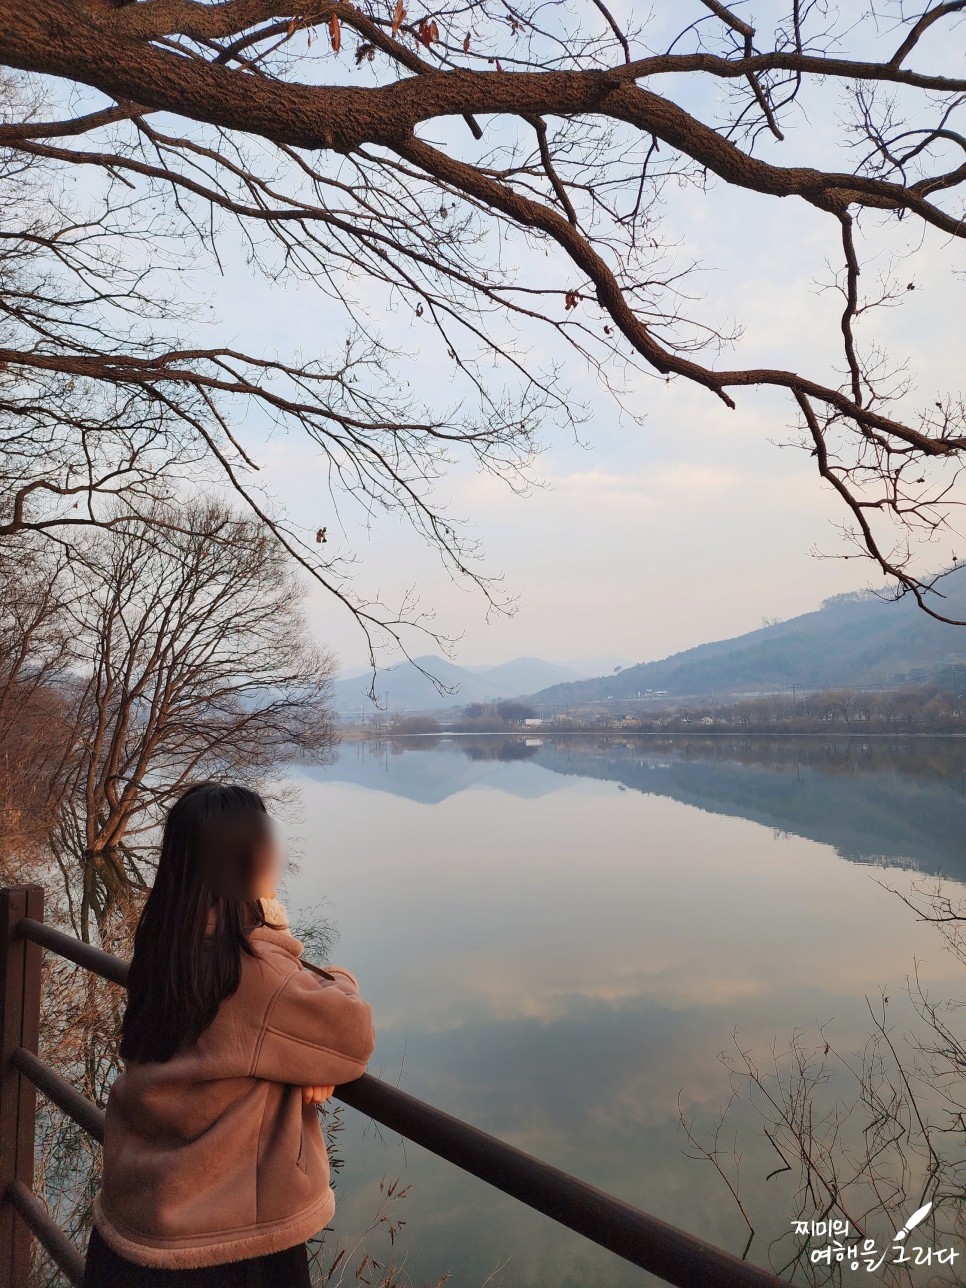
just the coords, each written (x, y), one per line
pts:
(544, 983)
(596, 1092)
(557, 969)
(477, 988)
(508, 909)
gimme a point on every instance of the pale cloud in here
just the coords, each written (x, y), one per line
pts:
(665, 485)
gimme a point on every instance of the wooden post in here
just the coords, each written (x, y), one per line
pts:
(20, 963)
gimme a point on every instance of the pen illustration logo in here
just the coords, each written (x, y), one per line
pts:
(917, 1216)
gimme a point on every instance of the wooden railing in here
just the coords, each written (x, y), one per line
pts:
(673, 1255)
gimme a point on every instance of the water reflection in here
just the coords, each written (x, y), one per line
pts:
(872, 799)
(560, 935)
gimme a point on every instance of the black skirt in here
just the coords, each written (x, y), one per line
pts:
(287, 1269)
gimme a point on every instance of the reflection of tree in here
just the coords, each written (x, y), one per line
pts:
(866, 1137)
(79, 1035)
(921, 758)
(497, 749)
(926, 758)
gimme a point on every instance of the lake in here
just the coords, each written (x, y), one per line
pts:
(560, 935)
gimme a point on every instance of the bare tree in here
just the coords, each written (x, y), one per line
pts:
(193, 660)
(107, 412)
(35, 712)
(420, 149)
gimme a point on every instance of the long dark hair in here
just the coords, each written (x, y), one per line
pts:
(213, 837)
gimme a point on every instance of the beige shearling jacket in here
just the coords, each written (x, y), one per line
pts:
(211, 1156)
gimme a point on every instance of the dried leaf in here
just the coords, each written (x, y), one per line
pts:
(397, 17)
(335, 33)
(466, 43)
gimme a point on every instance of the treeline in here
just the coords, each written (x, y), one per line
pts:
(492, 717)
(937, 708)
(477, 717)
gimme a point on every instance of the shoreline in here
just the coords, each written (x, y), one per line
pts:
(389, 735)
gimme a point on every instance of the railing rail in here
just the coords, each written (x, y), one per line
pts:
(673, 1255)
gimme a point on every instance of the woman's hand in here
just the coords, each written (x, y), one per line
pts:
(316, 1095)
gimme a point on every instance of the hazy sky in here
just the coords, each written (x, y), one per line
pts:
(643, 540)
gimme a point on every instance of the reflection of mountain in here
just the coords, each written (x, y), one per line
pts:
(871, 800)
(428, 771)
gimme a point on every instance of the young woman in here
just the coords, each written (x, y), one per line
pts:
(215, 1167)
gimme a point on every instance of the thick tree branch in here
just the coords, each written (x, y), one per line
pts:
(335, 171)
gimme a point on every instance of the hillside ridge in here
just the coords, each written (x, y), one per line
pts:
(852, 640)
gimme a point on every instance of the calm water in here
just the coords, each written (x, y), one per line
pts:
(558, 937)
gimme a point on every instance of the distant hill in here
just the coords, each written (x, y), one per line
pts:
(853, 639)
(403, 688)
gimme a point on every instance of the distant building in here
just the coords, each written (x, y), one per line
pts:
(533, 723)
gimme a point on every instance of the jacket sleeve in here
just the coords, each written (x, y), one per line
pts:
(316, 1031)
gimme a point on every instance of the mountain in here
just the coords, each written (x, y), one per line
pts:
(404, 688)
(852, 640)
(525, 674)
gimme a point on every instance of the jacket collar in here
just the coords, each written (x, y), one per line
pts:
(277, 932)
(282, 938)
